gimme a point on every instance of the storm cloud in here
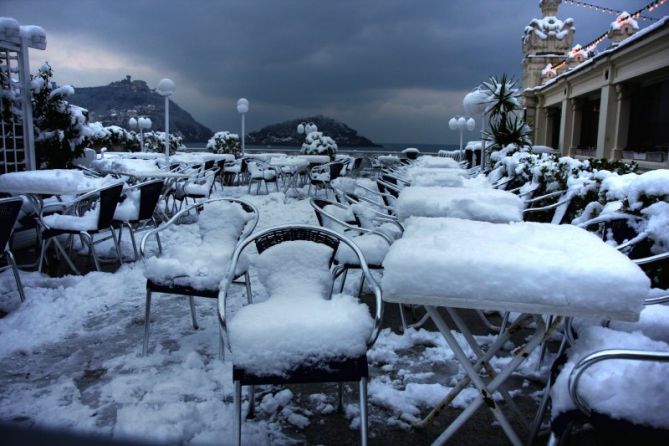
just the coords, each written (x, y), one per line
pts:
(395, 70)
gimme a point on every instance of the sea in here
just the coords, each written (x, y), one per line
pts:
(388, 148)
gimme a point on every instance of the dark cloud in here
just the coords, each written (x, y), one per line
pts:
(396, 70)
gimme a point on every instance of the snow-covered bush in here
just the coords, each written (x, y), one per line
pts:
(61, 132)
(225, 142)
(318, 144)
(113, 135)
(155, 142)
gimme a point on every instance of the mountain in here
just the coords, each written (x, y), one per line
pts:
(117, 102)
(285, 133)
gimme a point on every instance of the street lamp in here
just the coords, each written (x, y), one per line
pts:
(166, 88)
(142, 123)
(461, 123)
(475, 103)
(242, 108)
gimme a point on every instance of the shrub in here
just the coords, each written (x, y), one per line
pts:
(225, 142)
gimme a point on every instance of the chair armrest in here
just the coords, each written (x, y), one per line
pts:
(605, 355)
(548, 207)
(546, 196)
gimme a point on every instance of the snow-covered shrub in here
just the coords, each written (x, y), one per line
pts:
(225, 142)
(155, 142)
(113, 135)
(318, 144)
(61, 132)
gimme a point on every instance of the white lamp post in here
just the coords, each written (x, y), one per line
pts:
(461, 123)
(242, 108)
(166, 88)
(475, 103)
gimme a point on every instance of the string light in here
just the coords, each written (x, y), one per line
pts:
(651, 7)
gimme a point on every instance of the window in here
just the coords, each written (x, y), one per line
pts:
(648, 136)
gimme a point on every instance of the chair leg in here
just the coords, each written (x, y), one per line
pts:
(19, 286)
(60, 248)
(91, 249)
(160, 246)
(193, 317)
(340, 397)
(45, 245)
(343, 281)
(247, 284)
(238, 412)
(132, 240)
(147, 322)
(363, 411)
(362, 283)
(117, 246)
(403, 318)
(252, 402)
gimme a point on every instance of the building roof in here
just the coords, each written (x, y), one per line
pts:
(662, 23)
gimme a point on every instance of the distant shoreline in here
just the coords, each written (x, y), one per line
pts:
(386, 148)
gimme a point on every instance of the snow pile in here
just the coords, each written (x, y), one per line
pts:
(653, 321)
(556, 266)
(297, 324)
(437, 176)
(388, 160)
(86, 222)
(374, 249)
(648, 187)
(606, 386)
(53, 181)
(201, 255)
(491, 205)
(128, 209)
(437, 162)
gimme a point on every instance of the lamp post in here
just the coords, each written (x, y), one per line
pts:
(166, 89)
(461, 123)
(242, 108)
(475, 104)
(142, 123)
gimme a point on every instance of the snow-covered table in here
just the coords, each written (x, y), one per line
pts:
(290, 165)
(531, 268)
(50, 182)
(436, 177)
(473, 203)
(200, 157)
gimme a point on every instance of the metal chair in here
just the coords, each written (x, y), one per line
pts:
(88, 215)
(320, 177)
(326, 370)
(153, 286)
(141, 210)
(261, 172)
(9, 212)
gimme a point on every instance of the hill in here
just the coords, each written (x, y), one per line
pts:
(285, 133)
(115, 103)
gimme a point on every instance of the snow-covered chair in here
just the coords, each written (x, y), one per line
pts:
(197, 263)
(195, 188)
(260, 173)
(85, 216)
(301, 333)
(9, 213)
(137, 210)
(321, 176)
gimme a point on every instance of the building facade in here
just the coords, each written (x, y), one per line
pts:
(612, 105)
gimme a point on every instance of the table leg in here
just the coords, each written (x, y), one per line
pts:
(486, 391)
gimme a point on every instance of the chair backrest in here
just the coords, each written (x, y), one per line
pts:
(335, 170)
(148, 198)
(9, 212)
(319, 205)
(356, 164)
(109, 199)
(209, 164)
(281, 235)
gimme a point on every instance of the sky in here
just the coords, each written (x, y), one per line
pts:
(395, 70)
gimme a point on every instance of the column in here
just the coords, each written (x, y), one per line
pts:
(576, 120)
(623, 108)
(565, 127)
(540, 126)
(606, 130)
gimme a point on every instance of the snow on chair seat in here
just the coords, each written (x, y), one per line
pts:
(616, 381)
(198, 258)
(300, 333)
